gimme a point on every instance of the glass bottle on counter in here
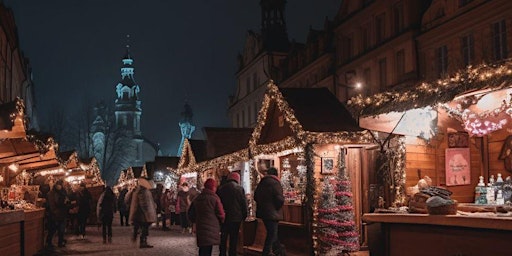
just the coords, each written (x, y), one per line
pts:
(498, 185)
(499, 198)
(481, 192)
(491, 199)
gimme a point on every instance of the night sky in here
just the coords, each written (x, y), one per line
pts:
(182, 50)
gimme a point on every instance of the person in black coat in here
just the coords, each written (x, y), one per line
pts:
(123, 207)
(105, 211)
(233, 199)
(57, 205)
(269, 201)
(84, 208)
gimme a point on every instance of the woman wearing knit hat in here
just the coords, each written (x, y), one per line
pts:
(207, 213)
(233, 199)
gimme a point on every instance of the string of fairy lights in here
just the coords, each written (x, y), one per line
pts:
(300, 139)
(496, 75)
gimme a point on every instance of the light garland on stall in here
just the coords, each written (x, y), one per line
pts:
(52, 172)
(220, 162)
(430, 93)
(186, 154)
(65, 162)
(484, 123)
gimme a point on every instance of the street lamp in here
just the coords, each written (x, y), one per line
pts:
(354, 86)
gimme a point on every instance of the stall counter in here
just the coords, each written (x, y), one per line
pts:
(423, 234)
(11, 224)
(33, 231)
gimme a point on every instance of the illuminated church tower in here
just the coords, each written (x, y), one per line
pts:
(186, 126)
(128, 109)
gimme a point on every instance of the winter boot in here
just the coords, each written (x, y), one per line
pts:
(144, 243)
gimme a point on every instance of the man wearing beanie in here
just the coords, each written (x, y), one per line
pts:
(208, 214)
(233, 199)
(269, 202)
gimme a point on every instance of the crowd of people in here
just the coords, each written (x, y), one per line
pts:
(213, 215)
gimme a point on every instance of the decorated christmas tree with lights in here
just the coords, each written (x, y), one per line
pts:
(337, 232)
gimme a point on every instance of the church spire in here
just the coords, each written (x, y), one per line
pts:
(273, 25)
(186, 126)
(127, 89)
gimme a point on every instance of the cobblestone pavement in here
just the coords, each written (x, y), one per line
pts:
(171, 242)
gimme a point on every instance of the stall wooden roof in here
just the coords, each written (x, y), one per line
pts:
(12, 123)
(222, 141)
(13, 150)
(292, 117)
(193, 151)
(318, 110)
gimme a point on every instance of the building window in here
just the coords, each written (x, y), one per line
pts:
(382, 73)
(468, 51)
(464, 2)
(139, 152)
(499, 40)
(126, 95)
(248, 85)
(347, 48)
(365, 37)
(367, 80)
(442, 60)
(398, 17)
(243, 119)
(249, 114)
(380, 28)
(256, 111)
(254, 81)
(400, 64)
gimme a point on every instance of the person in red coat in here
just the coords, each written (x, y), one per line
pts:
(207, 213)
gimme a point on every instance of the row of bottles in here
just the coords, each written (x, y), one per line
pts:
(493, 193)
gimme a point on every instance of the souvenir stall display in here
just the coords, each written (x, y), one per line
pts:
(310, 153)
(456, 156)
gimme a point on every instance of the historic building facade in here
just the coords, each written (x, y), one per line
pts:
(457, 34)
(373, 46)
(15, 70)
(258, 63)
(117, 139)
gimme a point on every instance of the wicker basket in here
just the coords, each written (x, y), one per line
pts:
(450, 209)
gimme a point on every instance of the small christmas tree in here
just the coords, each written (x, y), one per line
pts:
(144, 173)
(337, 232)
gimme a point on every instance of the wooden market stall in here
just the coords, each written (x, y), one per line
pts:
(453, 130)
(21, 221)
(226, 151)
(193, 152)
(316, 145)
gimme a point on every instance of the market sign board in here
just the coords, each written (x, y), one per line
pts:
(458, 166)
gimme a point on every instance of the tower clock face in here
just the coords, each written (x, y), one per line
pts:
(458, 140)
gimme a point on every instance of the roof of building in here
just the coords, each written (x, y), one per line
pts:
(162, 162)
(6, 109)
(318, 110)
(223, 141)
(198, 149)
